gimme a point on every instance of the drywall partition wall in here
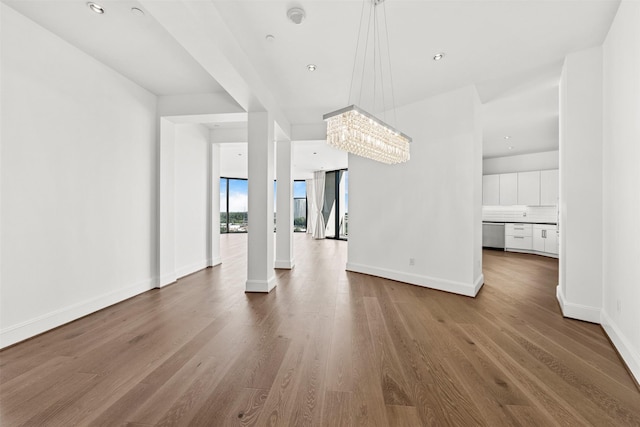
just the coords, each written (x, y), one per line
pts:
(521, 163)
(621, 157)
(420, 222)
(580, 288)
(78, 170)
(191, 151)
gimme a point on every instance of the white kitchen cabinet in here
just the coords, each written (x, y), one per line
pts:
(529, 188)
(518, 236)
(549, 187)
(508, 189)
(491, 190)
(545, 238)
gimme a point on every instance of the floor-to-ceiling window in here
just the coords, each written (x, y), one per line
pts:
(336, 204)
(234, 198)
(300, 206)
(233, 209)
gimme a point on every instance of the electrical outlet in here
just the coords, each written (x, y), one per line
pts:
(412, 261)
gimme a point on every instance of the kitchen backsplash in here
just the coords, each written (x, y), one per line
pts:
(535, 214)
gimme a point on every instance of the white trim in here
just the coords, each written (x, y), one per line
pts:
(577, 311)
(461, 288)
(30, 328)
(213, 262)
(260, 285)
(629, 354)
(190, 269)
(167, 279)
(285, 265)
(526, 251)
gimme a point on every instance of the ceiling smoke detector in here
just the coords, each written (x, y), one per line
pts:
(296, 15)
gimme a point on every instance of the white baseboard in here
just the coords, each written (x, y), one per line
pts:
(577, 311)
(285, 265)
(525, 251)
(629, 354)
(461, 288)
(212, 262)
(260, 285)
(190, 269)
(167, 279)
(32, 327)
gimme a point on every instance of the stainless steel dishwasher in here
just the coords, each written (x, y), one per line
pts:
(493, 235)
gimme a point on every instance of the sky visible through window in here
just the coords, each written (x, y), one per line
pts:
(239, 194)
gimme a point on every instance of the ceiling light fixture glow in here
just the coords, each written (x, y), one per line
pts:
(511, 147)
(438, 56)
(312, 67)
(96, 7)
(507, 137)
(356, 131)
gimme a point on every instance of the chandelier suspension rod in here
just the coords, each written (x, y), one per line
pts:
(353, 72)
(366, 49)
(393, 97)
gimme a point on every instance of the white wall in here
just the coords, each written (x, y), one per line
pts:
(78, 207)
(521, 163)
(580, 288)
(429, 208)
(621, 154)
(191, 198)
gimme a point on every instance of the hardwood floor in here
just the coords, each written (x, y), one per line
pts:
(326, 347)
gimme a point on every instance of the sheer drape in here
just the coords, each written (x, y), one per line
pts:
(311, 207)
(318, 198)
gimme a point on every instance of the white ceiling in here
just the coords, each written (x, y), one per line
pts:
(511, 50)
(135, 46)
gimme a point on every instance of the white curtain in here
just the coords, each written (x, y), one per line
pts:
(311, 207)
(318, 198)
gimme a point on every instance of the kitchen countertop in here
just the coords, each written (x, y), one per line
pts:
(518, 222)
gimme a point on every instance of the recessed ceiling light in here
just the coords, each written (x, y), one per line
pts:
(312, 67)
(438, 56)
(507, 137)
(511, 147)
(270, 37)
(296, 15)
(137, 11)
(96, 7)
(315, 152)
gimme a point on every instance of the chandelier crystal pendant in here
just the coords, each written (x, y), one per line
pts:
(356, 131)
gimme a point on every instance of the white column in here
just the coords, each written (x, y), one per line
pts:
(580, 290)
(284, 203)
(166, 226)
(213, 243)
(260, 274)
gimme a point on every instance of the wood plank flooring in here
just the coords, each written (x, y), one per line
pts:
(326, 347)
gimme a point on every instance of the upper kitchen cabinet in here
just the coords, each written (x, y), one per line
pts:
(529, 188)
(508, 189)
(549, 187)
(491, 190)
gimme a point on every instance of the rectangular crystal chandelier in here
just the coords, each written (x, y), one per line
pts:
(351, 128)
(354, 130)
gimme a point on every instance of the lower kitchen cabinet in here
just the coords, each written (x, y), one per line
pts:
(540, 239)
(545, 238)
(518, 236)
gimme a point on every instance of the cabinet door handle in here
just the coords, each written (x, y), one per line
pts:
(518, 237)
(544, 234)
(518, 228)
